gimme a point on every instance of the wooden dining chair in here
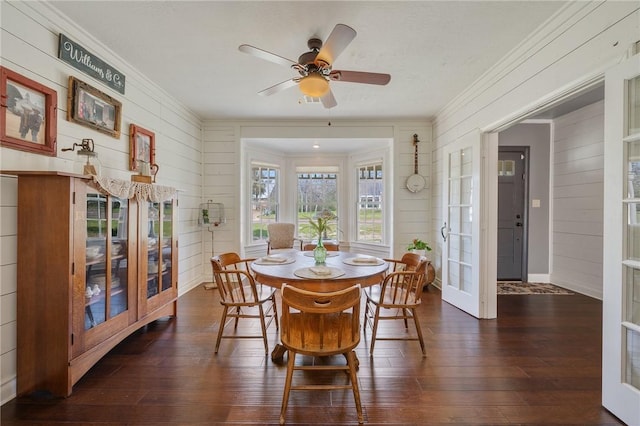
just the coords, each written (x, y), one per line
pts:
(282, 236)
(397, 298)
(321, 324)
(408, 262)
(240, 297)
(330, 246)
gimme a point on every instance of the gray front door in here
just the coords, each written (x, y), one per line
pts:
(512, 218)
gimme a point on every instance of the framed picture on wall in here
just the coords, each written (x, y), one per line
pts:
(92, 108)
(28, 120)
(142, 147)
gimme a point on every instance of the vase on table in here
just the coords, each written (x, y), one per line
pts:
(320, 252)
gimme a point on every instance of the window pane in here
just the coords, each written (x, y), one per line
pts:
(633, 171)
(632, 313)
(634, 106)
(264, 200)
(466, 190)
(467, 161)
(632, 370)
(370, 220)
(633, 231)
(317, 196)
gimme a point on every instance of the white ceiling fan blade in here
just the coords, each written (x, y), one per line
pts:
(360, 77)
(279, 87)
(337, 41)
(328, 100)
(267, 56)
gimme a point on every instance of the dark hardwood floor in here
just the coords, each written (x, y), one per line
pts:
(538, 363)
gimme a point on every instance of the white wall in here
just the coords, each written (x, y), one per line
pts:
(29, 47)
(578, 197)
(223, 158)
(571, 50)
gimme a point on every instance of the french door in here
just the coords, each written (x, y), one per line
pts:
(621, 262)
(460, 254)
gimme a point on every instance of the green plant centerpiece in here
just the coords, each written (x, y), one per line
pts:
(419, 246)
(321, 225)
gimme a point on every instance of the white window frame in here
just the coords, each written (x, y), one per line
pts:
(278, 203)
(319, 170)
(385, 203)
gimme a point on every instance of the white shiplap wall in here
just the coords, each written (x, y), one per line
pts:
(578, 153)
(571, 50)
(29, 46)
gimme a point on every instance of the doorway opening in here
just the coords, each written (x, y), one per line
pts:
(513, 205)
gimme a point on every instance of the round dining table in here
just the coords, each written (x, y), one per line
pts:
(347, 269)
(298, 268)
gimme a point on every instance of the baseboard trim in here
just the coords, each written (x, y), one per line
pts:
(539, 278)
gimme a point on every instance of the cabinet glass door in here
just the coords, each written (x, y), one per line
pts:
(167, 241)
(159, 251)
(105, 259)
(154, 260)
(119, 280)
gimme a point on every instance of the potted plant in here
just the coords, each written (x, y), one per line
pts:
(320, 225)
(418, 246)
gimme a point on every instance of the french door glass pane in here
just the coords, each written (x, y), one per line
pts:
(460, 219)
(633, 296)
(454, 246)
(465, 220)
(465, 278)
(454, 274)
(634, 106)
(467, 162)
(465, 249)
(454, 165)
(466, 184)
(632, 370)
(633, 169)
(454, 220)
(631, 293)
(633, 231)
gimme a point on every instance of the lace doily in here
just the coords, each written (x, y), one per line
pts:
(125, 189)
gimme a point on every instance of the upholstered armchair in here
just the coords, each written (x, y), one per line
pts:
(282, 236)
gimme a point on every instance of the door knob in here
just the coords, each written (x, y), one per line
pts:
(518, 223)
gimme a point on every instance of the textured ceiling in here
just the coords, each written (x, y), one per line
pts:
(432, 49)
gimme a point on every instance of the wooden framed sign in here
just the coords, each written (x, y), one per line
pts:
(79, 57)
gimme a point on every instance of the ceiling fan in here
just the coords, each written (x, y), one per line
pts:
(316, 67)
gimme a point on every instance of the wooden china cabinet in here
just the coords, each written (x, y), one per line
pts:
(93, 267)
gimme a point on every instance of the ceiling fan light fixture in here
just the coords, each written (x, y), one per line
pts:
(314, 85)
